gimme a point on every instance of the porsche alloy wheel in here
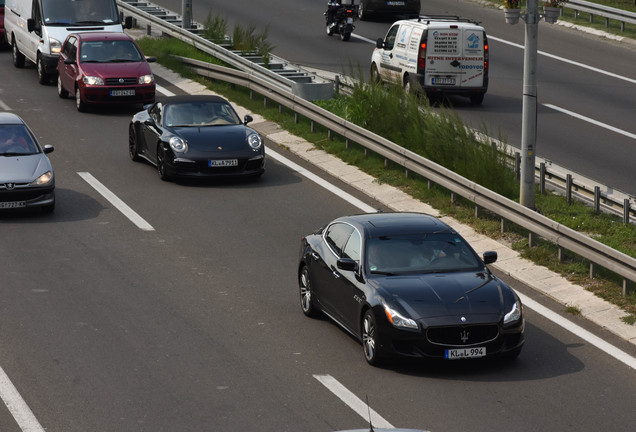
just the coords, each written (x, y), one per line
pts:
(306, 301)
(161, 164)
(369, 339)
(133, 150)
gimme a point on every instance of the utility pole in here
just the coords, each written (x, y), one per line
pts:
(186, 14)
(529, 112)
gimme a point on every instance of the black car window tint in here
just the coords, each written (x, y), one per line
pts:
(353, 246)
(337, 236)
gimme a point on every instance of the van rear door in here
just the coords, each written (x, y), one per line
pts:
(455, 56)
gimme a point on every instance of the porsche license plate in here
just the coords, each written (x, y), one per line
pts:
(128, 92)
(222, 162)
(12, 204)
(461, 353)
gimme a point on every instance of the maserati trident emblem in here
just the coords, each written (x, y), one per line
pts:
(464, 336)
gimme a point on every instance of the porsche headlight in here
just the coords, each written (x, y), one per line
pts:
(178, 145)
(93, 80)
(43, 180)
(399, 320)
(255, 141)
(513, 315)
(146, 79)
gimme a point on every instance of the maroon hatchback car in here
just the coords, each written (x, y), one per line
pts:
(101, 68)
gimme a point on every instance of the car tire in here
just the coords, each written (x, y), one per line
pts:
(17, 56)
(306, 297)
(61, 92)
(161, 165)
(477, 98)
(375, 75)
(43, 77)
(362, 12)
(369, 335)
(511, 355)
(133, 148)
(81, 106)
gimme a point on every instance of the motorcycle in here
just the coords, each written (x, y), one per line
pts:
(340, 16)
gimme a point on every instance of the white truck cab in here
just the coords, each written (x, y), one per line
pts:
(434, 54)
(36, 29)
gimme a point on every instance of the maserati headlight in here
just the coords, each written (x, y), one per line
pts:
(178, 145)
(92, 80)
(43, 180)
(255, 141)
(146, 79)
(513, 315)
(399, 320)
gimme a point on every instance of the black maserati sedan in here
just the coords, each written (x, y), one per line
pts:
(196, 136)
(407, 284)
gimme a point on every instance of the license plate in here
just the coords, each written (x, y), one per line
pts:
(395, 3)
(443, 81)
(127, 92)
(12, 204)
(349, 20)
(222, 162)
(461, 353)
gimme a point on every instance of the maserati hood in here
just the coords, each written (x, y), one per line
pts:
(450, 294)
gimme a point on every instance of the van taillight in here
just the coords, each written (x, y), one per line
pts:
(421, 60)
(486, 56)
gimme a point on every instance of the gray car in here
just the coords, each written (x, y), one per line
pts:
(26, 174)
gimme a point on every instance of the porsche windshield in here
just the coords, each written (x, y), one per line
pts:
(420, 253)
(209, 113)
(79, 12)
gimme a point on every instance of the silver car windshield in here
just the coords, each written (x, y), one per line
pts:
(15, 140)
(412, 254)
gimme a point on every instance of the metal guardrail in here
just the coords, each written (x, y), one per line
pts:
(507, 209)
(264, 82)
(595, 9)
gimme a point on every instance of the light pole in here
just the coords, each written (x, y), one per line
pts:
(529, 110)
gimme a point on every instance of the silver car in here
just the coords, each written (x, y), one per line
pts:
(26, 174)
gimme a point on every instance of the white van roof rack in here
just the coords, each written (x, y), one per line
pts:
(453, 18)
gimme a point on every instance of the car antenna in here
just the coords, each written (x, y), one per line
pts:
(369, 409)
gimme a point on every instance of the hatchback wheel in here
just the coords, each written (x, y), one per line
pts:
(61, 92)
(306, 299)
(81, 106)
(370, 339)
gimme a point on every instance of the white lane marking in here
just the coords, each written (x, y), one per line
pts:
(115, 201)
(322, 182)
(579, 331)
(353, 402)
(163, 90)
(590, 120)
(4, 106)
(17, 406)
(542, 310)
(564, 60)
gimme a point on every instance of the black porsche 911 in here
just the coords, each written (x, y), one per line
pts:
(196, 136)
(407, 284)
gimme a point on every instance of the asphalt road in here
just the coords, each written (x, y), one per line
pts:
(586, 86)
(196, 326)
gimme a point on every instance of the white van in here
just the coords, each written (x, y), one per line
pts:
(36, 29)
(436, 55)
